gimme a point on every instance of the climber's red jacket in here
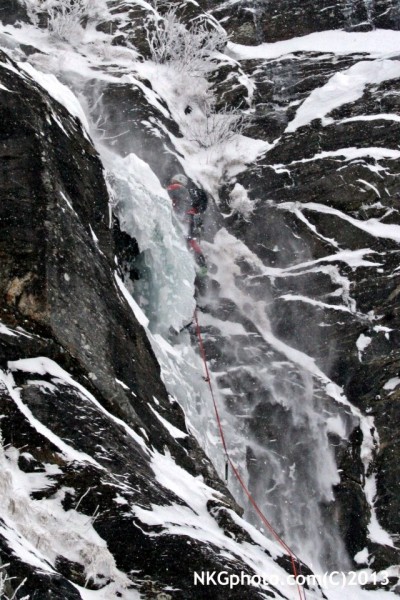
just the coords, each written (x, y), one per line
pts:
(182, 203)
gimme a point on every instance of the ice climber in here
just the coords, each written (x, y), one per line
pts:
(189, 203)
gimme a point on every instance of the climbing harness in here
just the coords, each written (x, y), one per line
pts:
(229, 462)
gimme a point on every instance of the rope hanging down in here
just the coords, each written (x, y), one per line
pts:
(293, 557)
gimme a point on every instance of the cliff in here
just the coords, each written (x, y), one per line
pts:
(111, 469)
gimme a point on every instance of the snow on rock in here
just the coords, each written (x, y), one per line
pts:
(195, 521)
(42, 366)
(38, 531)
(6, 330)
(58, 91)
(71, 453)
(362, 344)
(343, 88)
(377, 43)
(371, 226)
(210, 148)
(392, 384)
(174, 431)
(376, 532)
(297, 298)
(240, 202)
(137, 311)
(351, 154)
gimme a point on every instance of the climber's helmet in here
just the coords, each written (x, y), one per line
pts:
(180, 178)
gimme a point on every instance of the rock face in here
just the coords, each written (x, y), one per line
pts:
(87, 424)
(12, 11)
(257, 21)
(318, 193)
(302, 308)
(300, 317)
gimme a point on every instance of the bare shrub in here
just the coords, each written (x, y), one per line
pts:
(65, 17)
(189, 48)
(214, 127)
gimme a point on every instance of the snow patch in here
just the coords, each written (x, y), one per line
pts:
(392, 384)
(362, 344)
(376, 533)
(137, 311)
(6, 331)
(313, 302)
(40, 531)
(8, 383)
(378, 42)
(350, 153)
(362, 556)
(343, 88)
(43, 366)
(371, 226)
(174, 431)
(57, 90)
(240, 202)
(192, 519)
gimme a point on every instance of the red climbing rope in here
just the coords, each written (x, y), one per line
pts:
(293, 557)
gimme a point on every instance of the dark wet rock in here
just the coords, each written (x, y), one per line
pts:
(239, 23)
(257, 21)
(353, 510)
(386, 14)
(230, 91)
(134, 30)
(387, 412)
(287, 19)
(353, 515)
(127, 250)
(13, 11)
(382, 556)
